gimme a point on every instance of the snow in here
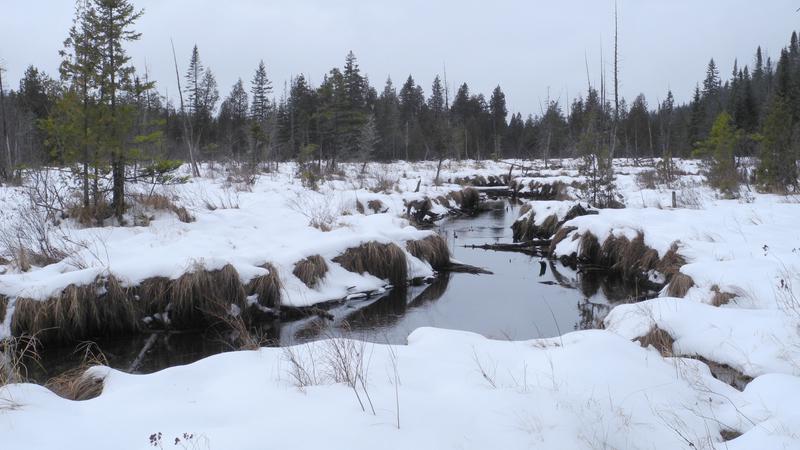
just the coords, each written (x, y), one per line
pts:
(271, 224)
(542, 394)
(585, 389)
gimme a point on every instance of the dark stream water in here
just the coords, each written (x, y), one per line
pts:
(526, 297)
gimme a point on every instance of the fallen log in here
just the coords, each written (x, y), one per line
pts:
(532, 247)
(466, 268)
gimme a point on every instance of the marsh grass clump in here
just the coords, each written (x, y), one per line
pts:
(589, 249)
(113, 312)
(456, 196)
(659, 339)
(375, 205)
(3, 307)
(160, 202)
(432, 249)
(632, 258)
(547, 228)
(267, 287)
(102, 307)
(671, 262)
(311, 270)
(152, 296)
(679, 285)
(720, 297)
(28, 316)
(200, 295)
(470, 199)
(385, 261)
(560, 235)
(80, 383)
(548, 191)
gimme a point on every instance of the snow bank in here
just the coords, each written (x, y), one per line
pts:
(452, 390)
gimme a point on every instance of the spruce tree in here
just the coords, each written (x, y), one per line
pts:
(194, 77)
(778, 156)
(719, 150)
(498, 110)
(112, 23)
(260, 89)
(80, 59)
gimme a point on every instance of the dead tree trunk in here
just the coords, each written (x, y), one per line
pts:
(187, 127)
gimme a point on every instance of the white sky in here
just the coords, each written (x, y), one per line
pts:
(528, 47)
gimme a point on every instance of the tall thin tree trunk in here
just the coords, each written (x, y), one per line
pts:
(85, 143)
(187, 128)
(8, 168)
(117, 157)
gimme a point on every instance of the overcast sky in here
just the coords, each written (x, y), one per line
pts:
(528, 47)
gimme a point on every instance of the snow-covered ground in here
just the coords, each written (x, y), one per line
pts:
(449, 389)
(445, 389)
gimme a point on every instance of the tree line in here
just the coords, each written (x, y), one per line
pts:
(108, 120)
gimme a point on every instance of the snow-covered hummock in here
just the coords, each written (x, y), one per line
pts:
(749, 248)
(269, 223)
(584, 390)
(541, 210)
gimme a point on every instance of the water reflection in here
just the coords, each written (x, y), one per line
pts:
(527, 297)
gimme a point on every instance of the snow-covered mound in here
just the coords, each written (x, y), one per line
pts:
(445, 389)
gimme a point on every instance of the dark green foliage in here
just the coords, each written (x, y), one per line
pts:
(778, 166)
(718, 149)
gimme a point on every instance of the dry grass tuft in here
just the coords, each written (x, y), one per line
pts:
(153, 296)
(375, 205)
(470, 199)
(721, 298)
(527, 230)
(521, 229)
(15, 355)
(548, 191)
(3, 307)
(311, 270)
(636, 257)
(679, 285)
(729, 435)
(78, 383)
(103, 307)
(589, 249)
(670, 264)
(201, 295)
(386, 261)
(27, 316)
(547, 228)
(456, 196)
(560, 235)
(116, 309)
(659, 339)
(432, 249)
(267, 288)
(160, 202)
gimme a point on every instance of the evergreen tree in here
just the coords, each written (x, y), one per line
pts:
(367, 141)
(260, 89)
(411, 103)
(388, 121)
(112, 22)
(778, 162)
(352, 113)
(719, 149)
(497, 106)
(233, 119)
(194, 77)
(712, 83)
(696, 119)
